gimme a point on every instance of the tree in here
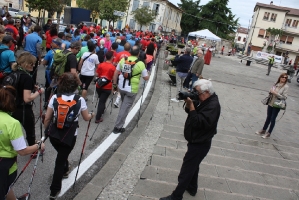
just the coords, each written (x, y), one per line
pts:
(189, 22)
(218, 18)
(144, 16)
(272, 33)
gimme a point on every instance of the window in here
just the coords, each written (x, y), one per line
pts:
(244, 39)
(273, 17)
(290, 40)
(135, 5)
(261, 33)
(266, 16)
(145, 4)
(239, 38)
(132, 24)
(295, 23)
(156, 8)
(283, 39)
(288, 22)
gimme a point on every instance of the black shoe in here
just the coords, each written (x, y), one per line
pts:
(54, 195)
(118, 130)
(267, 74)
(166, 198)
(23, 197)
(192, 193)
(66, 174)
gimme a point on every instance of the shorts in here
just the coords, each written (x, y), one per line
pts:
(86, 80)
(5, 183)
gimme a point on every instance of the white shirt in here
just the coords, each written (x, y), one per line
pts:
(66, 98)
(89, 64)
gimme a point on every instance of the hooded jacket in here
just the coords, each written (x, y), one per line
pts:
(201, 123)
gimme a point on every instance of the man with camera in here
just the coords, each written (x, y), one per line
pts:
(203, 110)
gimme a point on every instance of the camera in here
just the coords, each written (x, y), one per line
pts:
(192, 95)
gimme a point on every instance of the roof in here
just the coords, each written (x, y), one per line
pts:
(174, 6)
(290, 11)
(242, 30)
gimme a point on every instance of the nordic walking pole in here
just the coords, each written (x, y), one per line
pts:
(111, 100)
(34, 168)
(40, 115)
(94, 93)
(141, 102)
(82, 151)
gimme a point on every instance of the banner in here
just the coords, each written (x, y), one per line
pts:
(265, 56)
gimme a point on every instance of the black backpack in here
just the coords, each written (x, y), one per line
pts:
(101, 54)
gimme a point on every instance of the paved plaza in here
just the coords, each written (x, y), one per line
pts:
(240, 165)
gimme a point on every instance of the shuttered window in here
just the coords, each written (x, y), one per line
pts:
(273, 17)
(288, 22)
(135, 5)
(283, 39)
(261, 33)
(295, 23)
(290, 40)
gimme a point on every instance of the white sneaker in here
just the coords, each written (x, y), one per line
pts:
(175, 100)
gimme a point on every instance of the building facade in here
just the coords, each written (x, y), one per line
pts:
(168, 16)
(241, 36)
(283, 18)
(17, 4)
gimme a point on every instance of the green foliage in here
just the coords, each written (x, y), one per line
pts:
(218, 18)
(54, 6)
(106, 8)
(274, 31)
(89, 4)
(189, 23)
(144, 16)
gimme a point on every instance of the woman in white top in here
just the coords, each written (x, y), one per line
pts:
(87, 65)
(63, 134)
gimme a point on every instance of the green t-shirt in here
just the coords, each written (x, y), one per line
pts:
(138, 70)
(81, 52)
(10, 130)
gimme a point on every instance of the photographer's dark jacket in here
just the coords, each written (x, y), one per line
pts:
(201, 123)
(183, 63)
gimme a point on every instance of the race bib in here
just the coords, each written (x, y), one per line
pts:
(126, 68)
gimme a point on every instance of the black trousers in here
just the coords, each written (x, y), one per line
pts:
(189, 171)
(103, 96)
(61, 163)
(28, 124)
(34, 72)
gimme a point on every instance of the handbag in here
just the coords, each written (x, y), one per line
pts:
(280, 103)
(266, 100)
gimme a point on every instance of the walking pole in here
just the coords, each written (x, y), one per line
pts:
(94, 93)
(40, 115)
(110, 103)
(82, 152)
(141, 103)
(27, 195)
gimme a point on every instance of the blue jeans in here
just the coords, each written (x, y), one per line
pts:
(271, 117)
(194, 78)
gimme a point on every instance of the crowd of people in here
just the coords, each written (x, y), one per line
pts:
(115, 60)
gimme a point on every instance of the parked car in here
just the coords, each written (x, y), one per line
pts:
(13, 12)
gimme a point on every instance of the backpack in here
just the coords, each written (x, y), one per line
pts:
(127, 70)
(66, 111)
(49, 67)
(13, 79)
(101, 54)
(64, 126)
(58, 65)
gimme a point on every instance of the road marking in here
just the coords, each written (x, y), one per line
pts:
(100, 150)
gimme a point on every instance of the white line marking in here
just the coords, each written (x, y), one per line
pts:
(100, 150)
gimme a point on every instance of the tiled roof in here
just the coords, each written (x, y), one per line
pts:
(290, 11)
(242, 30)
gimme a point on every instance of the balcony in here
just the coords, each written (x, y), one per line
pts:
(287, 47)
(290, 30)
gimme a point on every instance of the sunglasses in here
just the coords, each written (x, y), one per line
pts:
(284, 77)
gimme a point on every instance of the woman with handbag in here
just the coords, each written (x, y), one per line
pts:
(275, 102)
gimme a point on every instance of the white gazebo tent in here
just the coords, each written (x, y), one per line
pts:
(205, 34)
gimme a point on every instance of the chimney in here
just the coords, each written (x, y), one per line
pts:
(271, 3)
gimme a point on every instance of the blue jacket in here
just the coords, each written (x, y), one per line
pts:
(183, 63)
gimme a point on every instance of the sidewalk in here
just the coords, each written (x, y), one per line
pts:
(240, 164)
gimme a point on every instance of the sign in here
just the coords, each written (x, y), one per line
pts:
(119, 13)
(265, 56)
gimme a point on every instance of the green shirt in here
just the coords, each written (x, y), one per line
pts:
(10, 130)
(81, 52)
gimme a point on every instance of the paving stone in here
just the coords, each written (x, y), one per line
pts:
(225, 161)
(172, 135)
(254, 143)
(225, 138)
(263, 191)
(282, 182)
(158, 150)
(164, 142)
(257, 150)
(138, 197)
(182, 145)
(289, 156)
(215, 195)
(173, 128)
(224, 145)
(89, 192)
(287, 149)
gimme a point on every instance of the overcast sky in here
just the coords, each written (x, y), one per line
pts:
(244, 8)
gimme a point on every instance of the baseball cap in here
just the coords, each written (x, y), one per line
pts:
(57, 41)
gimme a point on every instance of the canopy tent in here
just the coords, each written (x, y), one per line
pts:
(206, 34)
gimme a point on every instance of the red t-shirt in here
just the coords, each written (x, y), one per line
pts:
(49, 39)
(14, 32)
(121, 55)
(106, 69)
